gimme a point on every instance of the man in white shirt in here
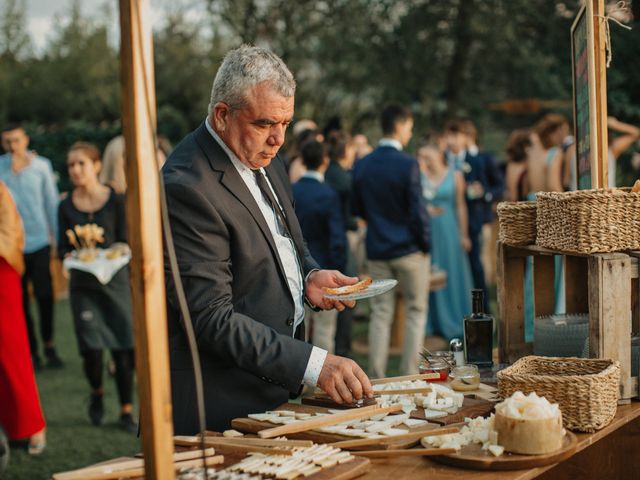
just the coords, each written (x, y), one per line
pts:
(242, 258)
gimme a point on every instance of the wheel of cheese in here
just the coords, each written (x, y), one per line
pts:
(529, 436)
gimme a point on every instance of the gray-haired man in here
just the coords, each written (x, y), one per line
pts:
(242, 258)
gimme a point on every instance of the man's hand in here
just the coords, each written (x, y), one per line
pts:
(332, 279)
(343, 380)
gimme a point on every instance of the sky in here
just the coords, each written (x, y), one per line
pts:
(41, 15)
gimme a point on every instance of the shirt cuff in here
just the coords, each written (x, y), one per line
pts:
(306, 299)
(314, 367)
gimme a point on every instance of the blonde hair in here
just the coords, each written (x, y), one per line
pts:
(112, 172)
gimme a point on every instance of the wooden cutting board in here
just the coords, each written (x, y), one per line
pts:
(472, 456)
(344, 471)
(249, 425)
(471, 407)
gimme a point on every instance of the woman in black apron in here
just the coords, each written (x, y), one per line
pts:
(101, 312)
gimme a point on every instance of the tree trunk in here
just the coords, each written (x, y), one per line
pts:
(463, 38)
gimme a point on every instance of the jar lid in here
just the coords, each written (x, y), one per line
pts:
(455, 345)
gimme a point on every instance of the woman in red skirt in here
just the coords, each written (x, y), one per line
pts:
(20, 411)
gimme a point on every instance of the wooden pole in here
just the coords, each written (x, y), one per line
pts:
(601, 149)
(145, 238)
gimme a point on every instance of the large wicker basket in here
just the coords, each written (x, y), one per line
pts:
(517, 223)
(589, 221)
(585, 389)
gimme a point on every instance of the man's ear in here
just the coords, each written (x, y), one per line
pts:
(220, 116)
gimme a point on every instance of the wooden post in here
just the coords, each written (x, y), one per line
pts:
(610, 313)
(511, 305)
(145, 238)
(576, 284)
(543, 283)
(590, 95)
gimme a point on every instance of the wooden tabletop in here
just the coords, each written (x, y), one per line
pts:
(410, 468)
(414, 468)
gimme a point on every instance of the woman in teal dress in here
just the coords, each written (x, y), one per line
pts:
(444, 192)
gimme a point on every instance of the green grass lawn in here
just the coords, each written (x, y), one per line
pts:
(72, 442)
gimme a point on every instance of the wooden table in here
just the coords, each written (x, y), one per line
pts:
(611, 453)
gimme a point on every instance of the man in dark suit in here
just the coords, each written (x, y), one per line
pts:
(387, 194)
(342, 153)
(318, 211)
(484, 186)
(242, 259)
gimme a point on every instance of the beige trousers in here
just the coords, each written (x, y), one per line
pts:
(322, 326)
(412, 273)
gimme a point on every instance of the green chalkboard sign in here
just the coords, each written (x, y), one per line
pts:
(580, 57)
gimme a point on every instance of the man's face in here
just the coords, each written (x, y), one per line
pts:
(456, 141)
(15, 142)
(405, 130)
(256, 131)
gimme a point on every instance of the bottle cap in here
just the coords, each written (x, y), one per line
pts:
(455, 345)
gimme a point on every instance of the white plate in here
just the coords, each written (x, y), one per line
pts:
(377, 287)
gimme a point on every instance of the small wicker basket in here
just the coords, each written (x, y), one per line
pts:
(585, 389)
(517, 223)
(589, 221)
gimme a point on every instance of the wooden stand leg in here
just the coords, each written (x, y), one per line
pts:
(511, 304)
(610, 313)
(576, 286)
(543, 276)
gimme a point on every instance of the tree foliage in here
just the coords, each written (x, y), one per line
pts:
(444, 59)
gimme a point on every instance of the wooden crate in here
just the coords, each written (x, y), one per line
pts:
(604, 285)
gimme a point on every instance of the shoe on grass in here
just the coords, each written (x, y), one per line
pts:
(53, 360)
(127, 423)
(37, 443)
(96, 409)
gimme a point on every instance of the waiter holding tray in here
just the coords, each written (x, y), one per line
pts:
(242, 259)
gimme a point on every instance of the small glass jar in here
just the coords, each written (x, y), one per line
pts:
(435, 364)
(465, 378)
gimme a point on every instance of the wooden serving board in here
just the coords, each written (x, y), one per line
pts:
(249, 425)
(472, 456)
(344, 471)
(471, 407)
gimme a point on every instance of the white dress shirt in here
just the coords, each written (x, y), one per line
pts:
(286, 251)
(390, 142)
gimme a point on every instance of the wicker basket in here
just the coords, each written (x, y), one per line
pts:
(585, 389)
(589, 221)
(517, 223)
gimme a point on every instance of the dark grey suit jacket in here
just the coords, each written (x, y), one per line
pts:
(236, 289)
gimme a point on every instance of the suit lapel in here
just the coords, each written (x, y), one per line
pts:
(232, 181)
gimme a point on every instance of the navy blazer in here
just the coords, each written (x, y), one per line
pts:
(388, 195)
(318, 209)
(482, 168)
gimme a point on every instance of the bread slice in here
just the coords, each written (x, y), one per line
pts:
(347, 289)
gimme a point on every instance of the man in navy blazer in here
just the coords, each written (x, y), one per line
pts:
(388, 195)
(318, 210)
(484, 186)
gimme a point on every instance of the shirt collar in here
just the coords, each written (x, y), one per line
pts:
(314, 175)
(241, 167)
(390, 142)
